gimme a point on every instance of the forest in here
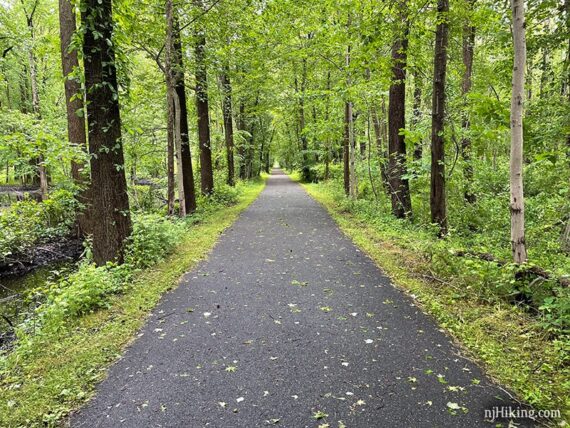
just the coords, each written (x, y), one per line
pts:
(132, 132)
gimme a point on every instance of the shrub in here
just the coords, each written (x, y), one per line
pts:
(26, 222)
(78, 293)
(153, 238)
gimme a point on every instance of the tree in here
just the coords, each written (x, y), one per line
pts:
(180, 89)
(202, 110)
(74, 107)
(468, 48)
(397, 171)
(518, 245)
(228, 122)
(174, 102)
(42, 176)
(437, 195)
(111, 224)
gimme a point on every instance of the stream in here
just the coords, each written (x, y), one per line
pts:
(21, 294)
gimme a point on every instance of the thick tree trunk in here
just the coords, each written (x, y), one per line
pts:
(228, 124)
(111, 224)
(170, 153)
(185, 151)
(176, 99)
(468, 47)
(178, 148)
(202, 111)
(399, 187)
(516, 164)
(437, 195)
(74, 106)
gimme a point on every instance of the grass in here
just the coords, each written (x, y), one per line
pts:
(508, 342)
(59, 372)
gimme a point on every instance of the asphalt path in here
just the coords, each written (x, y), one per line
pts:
(287, 323)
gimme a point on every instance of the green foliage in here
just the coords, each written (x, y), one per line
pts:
(480, 235)
(27, 222)
(78, 293)
(153, 237)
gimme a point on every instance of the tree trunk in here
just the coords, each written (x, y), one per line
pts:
(170, 152)
(75, 115)
(437, 194)
(202, 111)
(228, 124)
(241, 125)
(41, 178)
(399, 187)
(182, 121)
(353, 184)
(378, 135)
(417, 114)
(346, 148)
(468, 47)
(305, 170)
(516, 163)
(111, 224)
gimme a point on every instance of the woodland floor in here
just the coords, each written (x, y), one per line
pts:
(288, 323)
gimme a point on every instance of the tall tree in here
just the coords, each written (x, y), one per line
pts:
(228, 123)
(468, 50)
(305, 170)
(202, 110)
(397, 171)
(74, 107)
(41, 175)
(518, 245)
(437, 195)
(346, 147)
(417, 113)
(180, 88)
(111, 223)
(175, 117)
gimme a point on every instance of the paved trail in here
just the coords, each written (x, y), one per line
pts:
(288, 321)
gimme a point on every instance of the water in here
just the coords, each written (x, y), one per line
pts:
(20, 295)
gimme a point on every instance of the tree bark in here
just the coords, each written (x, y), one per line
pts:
(399, 187)
(170, 152)
(39, 162)
(111, 223)
(202, 111)
(346, 148)
(305, 170)
(182, 121)
(417, 114)
(518, 245)
(76, 132)
(437, 194)
(468, 48)
(228, 124)
(241, 149)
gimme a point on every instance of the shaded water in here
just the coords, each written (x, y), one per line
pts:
(20, 295)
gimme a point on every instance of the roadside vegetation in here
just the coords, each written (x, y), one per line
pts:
(517, 329)
(91, 313)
